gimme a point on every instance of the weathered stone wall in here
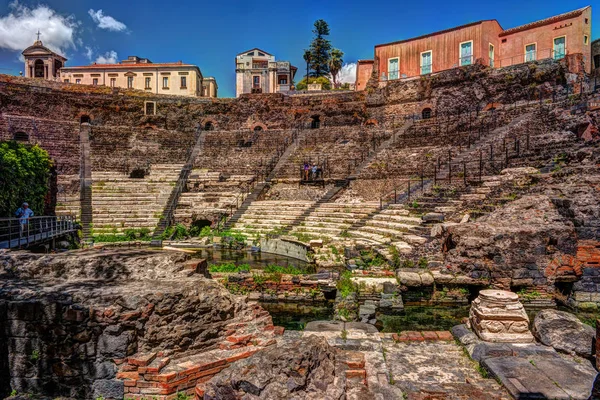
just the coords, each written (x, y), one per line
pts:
(69, 320)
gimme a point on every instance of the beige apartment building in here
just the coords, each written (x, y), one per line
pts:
(142, 74)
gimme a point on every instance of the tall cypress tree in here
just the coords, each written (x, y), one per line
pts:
(320, 48)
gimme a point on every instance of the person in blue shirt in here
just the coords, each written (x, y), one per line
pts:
(24, 213)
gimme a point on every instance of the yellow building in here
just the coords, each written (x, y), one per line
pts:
(142, 74)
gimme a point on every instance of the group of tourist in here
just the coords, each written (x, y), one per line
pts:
(312, 173)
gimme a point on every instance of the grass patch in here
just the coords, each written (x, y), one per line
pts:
(229, 268)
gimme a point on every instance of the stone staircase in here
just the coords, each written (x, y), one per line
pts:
(332, 220)
(260, 187)
(211, 194)
(120, 202)
(269, 217)
(169, 210)
(394, 226)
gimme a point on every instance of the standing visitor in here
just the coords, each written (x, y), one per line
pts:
(24, 213)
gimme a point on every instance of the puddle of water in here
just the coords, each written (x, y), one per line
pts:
(255, 260)
(416, 318)
(295, 316)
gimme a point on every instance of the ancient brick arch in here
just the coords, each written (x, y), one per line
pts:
(209, 124)
(85, 119)
(371, 122)
(427, 110)
(564, 268)
(258, 126)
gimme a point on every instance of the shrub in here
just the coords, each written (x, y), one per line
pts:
(24, 175)
(345, 285)
(229, 267)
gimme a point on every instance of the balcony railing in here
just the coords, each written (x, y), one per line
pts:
(426, 69)
(529, 56)
(393, 75)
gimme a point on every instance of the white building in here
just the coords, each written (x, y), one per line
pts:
(257, 71)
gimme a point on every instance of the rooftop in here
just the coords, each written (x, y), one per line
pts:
(542, 22)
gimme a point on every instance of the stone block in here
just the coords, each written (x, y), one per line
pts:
(108, 389)
(410, 279)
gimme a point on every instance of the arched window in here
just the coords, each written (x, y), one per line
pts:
(258, 128)
(426, 113)
(21, 137)
(85, 119)
(209, 126)
(315, 122)
(39, 69)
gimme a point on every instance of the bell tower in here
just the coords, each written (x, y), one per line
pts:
(41, 62)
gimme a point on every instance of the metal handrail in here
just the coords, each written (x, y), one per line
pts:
(17, 232)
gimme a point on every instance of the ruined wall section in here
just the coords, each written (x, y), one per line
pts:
(71, 321)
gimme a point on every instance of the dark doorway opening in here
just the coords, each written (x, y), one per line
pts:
(38, 69)
(85, 119)
(426, 113)
(138, 173)
(209, 126)
(21, 137)
(315, 122)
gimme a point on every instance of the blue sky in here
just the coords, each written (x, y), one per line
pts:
(210, 33)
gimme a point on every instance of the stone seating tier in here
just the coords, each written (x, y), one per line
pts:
(121, 203)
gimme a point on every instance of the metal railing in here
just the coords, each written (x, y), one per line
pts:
(529, 56)
(18, 232)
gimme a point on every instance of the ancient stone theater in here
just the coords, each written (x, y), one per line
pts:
(393, 242)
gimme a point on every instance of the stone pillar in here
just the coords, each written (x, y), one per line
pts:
(499, 316)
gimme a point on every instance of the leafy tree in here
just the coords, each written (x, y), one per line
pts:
(326, 83)
(320, 49)
(335, 64)
(24, 174)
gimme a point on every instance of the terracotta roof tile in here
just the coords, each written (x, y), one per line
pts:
(130, 66)
(551, 20)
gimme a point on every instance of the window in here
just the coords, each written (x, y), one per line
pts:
(256, 82)
(426, 113)
(184, 82)
(491, 55)
(77, 81)
(393, 68)
(113, 82)
(165, 82)
(585, 39)
(426, 62)
(283, 80)
(260, 54)
(150, 108)
(466, 53)
(559, 48)
(597, 61)
(95, 81)
(66, 81)
(530, 52)
(129, 82)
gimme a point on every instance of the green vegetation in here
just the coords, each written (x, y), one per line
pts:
(288, 270)
(24, 176)
(183, 396)
(345, 285)
(229, 267)
(130, 234)
(422, 262)
(344, 335)
(529, 295)
(326, 83)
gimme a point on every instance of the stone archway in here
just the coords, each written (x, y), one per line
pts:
(21, 136)
(371, 123)
(426, 113)
(315, 122)
(209, 125)
(258, 127)
(85, 119)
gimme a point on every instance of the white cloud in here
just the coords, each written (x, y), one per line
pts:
(110, 57)
(89, 53)
(347, 74)
(19, 27)
(106, 21)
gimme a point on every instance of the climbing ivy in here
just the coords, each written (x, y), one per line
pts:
(24, 174)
